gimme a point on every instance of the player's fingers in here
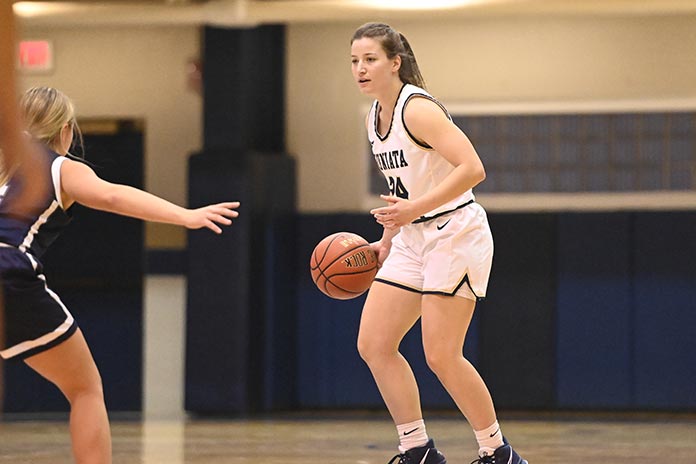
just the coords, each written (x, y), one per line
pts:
(212, 226)
(229, 204)
(226, 212)
(220, 219)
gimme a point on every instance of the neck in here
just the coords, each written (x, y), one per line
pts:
(388, 99)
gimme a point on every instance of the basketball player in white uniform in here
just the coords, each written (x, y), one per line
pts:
(435, 253)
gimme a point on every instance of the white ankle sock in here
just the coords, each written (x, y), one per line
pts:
(489, 439)
(412, 435)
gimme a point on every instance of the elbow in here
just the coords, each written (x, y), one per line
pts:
(110, 202)
(479, 174)
(482, 174)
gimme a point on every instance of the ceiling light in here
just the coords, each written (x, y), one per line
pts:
(417, 4)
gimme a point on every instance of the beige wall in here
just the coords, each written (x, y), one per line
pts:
(508, 60)
(135, 73)
(140, 72)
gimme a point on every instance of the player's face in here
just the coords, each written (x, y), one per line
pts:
(372, 69)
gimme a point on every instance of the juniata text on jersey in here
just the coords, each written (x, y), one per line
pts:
(391, 160)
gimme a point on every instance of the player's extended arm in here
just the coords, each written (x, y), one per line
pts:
(81, 184)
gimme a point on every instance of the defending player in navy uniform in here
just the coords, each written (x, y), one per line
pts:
(39, 328)
(435, 253)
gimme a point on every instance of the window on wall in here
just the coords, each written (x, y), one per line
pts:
(572, 153)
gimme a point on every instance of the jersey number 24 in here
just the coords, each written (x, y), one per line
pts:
(396, 187)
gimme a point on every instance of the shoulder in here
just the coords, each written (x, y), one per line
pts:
(74, 166)
(424, 109)
(420, 100)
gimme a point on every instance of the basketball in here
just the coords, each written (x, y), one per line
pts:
(343, 265)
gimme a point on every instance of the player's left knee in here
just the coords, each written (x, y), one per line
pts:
(440, 360)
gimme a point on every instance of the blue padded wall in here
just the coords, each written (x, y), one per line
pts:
(517, 345)
(330, 371)
(241, 302)
(594, 311)
(665, 310)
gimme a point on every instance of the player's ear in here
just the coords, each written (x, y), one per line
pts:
(396, 64)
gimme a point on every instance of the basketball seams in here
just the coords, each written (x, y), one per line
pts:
(338, 258)
(341, 289)
(326, 250)
(344, 274)
(323, 272)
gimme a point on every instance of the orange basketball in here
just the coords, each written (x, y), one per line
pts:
(343, 265)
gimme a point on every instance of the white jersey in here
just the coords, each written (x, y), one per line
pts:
(410, 167)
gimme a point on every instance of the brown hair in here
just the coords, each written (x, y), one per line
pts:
(393, 43)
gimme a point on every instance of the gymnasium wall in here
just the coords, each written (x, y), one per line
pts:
(141, 72)
(134, 73)
(628, 272)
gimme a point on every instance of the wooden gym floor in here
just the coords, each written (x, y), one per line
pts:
(361, 438)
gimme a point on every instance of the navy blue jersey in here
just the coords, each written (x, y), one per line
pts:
(33, 232)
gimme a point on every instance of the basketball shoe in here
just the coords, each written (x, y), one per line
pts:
(503, 455)
(426, 454)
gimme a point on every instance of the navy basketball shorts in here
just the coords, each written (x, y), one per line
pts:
(35, 318)
(447, 255)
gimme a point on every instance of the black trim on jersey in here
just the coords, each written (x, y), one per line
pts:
(40, 349)
(429, 218)
(391, 121)
(456, 289)
(79, 159)
(394, 284)
(434, 292)
(420, 143)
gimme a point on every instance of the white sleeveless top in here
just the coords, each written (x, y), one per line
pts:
(410, 167)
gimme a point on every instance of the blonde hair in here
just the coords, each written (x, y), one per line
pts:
(45, 111)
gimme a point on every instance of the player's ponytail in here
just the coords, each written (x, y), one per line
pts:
(409, 71)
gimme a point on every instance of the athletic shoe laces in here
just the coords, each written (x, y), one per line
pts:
(402, 459)
(484, 460)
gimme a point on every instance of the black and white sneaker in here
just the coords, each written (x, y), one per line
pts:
(503, 455)
(426, 454)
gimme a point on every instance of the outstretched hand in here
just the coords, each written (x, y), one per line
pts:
(212, 215)
(399, 212)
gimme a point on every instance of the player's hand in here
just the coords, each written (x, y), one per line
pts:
(399, 212)
(381, 251)
(212, 215)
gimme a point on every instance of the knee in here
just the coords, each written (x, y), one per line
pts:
(440, 360)
(84, 388)
(371, 351)
(365, 348)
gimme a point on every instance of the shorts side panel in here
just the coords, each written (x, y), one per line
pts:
(35, 317)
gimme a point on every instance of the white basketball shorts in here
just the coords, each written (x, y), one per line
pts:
(447, 255)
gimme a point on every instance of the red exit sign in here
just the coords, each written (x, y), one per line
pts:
(35, 56)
